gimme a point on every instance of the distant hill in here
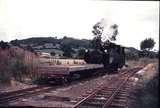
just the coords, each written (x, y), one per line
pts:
(64, 46)
(131, 50)
(42, 41)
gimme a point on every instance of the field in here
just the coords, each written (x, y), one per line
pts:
(51, 50)
(141, 62)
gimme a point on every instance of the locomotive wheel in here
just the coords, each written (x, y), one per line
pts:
(115, 68)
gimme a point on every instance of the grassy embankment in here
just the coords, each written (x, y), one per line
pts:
(145, 93)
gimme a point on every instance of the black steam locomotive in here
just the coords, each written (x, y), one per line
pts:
(112, 56)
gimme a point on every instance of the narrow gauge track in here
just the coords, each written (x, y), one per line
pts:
(112, 96)
(14, 95)
(10, 96)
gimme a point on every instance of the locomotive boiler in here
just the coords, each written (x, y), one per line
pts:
(112, 56)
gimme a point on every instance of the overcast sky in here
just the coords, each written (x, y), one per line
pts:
(75, 18)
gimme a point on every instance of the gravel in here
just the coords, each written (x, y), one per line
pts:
(70, 92)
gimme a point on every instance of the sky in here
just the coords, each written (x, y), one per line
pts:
(136, 20)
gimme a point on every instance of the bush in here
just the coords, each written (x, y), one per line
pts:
(132, 56)
(5, 74)
(147, 95)
(151, 92)
(17, 64)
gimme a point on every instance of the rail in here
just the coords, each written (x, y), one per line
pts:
(108, 94)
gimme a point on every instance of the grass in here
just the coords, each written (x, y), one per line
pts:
(141, 62)
(145, 93)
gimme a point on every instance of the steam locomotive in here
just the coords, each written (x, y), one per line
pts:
(108, 57)
(111, 55)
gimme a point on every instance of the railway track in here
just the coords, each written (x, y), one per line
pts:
(112, 96)
(13, 96)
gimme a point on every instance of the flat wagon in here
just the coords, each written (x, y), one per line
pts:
(67, 72)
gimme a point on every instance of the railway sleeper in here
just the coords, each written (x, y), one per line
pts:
(97, 99)
(120, 100)
(89, 91)
(125, 88)
(120, 97)
(85, 106)
(123, 91)
(105, 96)
(91, 105)
(102, 95)
(84, 95)
(112, 106)
(123, 95)
(128, 85)
(108, 89)
(105, 92)
(116, 105)
(79, 98)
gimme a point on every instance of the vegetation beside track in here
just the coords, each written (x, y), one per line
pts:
(141, 62)
(17, 64)
(145, 93)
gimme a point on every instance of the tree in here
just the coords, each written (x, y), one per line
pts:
(147, 44)
(29, 48)
(81, 53)
(67, 50)
(96, 42)
(97, 31)
(53, 53)
(114, 27)
(4, 45)
(15, 42)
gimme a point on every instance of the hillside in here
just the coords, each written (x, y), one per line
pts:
(59, 46)
(51, 42)
(68, 47)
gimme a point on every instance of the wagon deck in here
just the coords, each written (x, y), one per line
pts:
(66, 69)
